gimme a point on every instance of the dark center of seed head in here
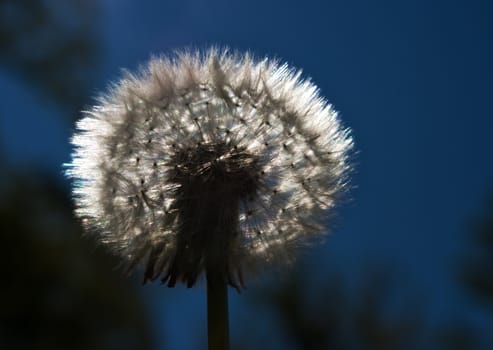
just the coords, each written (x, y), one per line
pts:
(212, 179)
(219, 168)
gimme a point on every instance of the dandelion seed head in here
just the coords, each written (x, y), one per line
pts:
(209, 159)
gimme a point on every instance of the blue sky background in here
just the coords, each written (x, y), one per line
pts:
(411, 78)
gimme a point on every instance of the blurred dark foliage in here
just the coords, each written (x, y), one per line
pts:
(328, 316)
(58, 290)
(333, 314)
(53, 44)
(477, 274)
(458, 336)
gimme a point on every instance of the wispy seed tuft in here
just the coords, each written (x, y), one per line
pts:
(209, 160)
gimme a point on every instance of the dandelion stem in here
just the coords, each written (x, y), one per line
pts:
(217, 311)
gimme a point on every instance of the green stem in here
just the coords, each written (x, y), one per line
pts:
(217, 311)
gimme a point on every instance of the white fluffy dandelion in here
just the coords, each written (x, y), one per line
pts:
(209, 161)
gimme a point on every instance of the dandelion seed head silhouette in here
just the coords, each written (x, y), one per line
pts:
(209, 159)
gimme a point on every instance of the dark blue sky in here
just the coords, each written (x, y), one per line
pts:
(411, 78)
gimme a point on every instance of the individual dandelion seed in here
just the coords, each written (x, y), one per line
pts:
(209, 161)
